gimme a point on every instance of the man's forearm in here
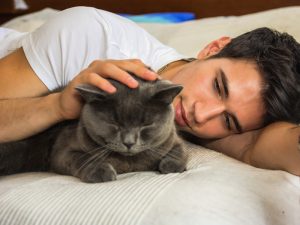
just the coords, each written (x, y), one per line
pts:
(24, 117)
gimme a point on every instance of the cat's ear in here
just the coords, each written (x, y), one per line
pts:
(166, 92)
(90, 93)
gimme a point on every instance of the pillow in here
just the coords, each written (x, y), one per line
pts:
(168, 17)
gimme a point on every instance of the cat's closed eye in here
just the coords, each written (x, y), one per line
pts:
(147, 130)
(147, 125)
(112, 128)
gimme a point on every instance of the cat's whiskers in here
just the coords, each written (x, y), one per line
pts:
(92, 151)
(101, 155)
(170, 154)
(115, 146)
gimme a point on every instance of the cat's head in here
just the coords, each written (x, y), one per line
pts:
(130, 120)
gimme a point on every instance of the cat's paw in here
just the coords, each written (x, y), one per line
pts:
(170, 165)
(98, 174)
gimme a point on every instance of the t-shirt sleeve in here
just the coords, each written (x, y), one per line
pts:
(10, 40)
(66, 44)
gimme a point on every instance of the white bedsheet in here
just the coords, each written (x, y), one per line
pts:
(216, 190)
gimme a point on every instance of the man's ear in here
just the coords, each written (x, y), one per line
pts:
(214, 47)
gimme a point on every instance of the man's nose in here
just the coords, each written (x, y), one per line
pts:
(205, 111)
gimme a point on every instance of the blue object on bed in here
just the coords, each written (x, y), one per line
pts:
(171, 17)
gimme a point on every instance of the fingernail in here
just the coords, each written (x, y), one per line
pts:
(133, 82)
(111, 89)
(151, 75)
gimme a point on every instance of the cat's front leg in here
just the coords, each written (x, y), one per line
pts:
(96, 173)
(88, 168)
(174, 161)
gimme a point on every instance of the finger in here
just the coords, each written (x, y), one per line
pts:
(100, 82)
(110, 70)
(122, 76)
(115, 69)
(137, 67)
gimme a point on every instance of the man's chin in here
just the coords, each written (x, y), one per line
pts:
(180, 128)
(183, 128)
(187, 130)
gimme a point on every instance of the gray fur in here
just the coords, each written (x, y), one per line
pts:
(131, 130)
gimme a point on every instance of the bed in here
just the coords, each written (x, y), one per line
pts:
(215, 189)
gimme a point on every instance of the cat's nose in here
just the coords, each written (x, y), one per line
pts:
(128, 144)
(129, 138)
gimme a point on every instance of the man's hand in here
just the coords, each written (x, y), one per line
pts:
(70, 103)
(276, 147)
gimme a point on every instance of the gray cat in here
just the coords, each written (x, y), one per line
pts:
(130, 130)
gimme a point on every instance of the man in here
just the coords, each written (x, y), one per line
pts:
(224, 92)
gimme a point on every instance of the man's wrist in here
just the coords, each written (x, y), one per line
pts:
(55, 108)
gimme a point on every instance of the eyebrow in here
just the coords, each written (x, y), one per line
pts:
(224, 82)
(226, 90)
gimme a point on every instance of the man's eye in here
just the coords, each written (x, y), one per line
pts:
(227, 121)
(217, 86)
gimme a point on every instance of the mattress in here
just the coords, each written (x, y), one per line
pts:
(215, 189)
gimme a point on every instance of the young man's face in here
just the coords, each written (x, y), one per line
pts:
(220, 97)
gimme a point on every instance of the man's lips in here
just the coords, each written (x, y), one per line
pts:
(180, 115)
(184, 115)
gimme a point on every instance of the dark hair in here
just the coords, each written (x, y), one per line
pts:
(277, 56)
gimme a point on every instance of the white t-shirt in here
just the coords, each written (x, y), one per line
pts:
(69, 42)
(10, 40)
